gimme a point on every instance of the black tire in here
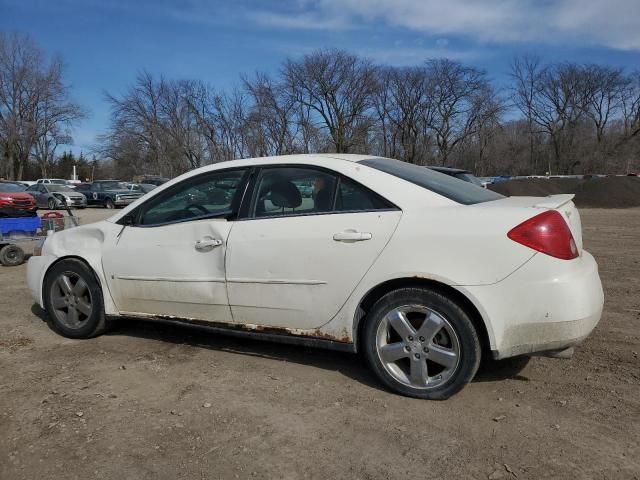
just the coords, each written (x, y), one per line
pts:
(467, 342)
(52, 204)
(11, 255)
(108, 203)
(95, 323)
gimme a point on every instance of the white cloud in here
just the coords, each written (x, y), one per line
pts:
(303, 21)
(609, 23)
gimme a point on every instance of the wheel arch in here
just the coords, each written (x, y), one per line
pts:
(80, 259)
(375, 293)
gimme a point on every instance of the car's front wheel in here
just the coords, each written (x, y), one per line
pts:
(73, 300)
(109, 204)
(421, 343)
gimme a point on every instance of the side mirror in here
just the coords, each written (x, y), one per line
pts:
(128, 220)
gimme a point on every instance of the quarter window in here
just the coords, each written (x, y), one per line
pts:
(206, 196)
(355, 197)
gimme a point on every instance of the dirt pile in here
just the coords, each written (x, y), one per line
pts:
(607, 192)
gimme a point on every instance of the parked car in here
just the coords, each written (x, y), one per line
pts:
(48, 181)
(485, 181)
(53, 196)
(15, 201)
(108, 193)
(420, 272)
(460, 174)
(141, 187)
(157, 181)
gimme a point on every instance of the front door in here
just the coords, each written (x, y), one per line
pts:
(310, 237)
(172, 261)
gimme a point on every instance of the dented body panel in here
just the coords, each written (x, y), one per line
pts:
(158, 271)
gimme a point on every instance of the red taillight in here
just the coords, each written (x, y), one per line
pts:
(547, 233)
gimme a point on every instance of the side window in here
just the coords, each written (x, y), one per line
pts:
(206, 196)
(354, 197)
(293, 191)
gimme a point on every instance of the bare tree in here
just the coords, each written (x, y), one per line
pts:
(405, 111)
(338, 87)
(605, 87)
(525, 73)
(165, 119)
(272, 117)
(560, 99)
(54, 116)
(36, 113)
(572, 117)
(630, 106)
(459, 94)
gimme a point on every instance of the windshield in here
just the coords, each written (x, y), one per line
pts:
(58, 181)
(113, 185)
(445, 185)
(60, 188)
(11, 187)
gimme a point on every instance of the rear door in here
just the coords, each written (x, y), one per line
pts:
(308, 238)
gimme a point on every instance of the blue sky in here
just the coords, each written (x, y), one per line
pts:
(105, 43)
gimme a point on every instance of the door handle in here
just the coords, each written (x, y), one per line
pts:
(207, 243)
(351, 236)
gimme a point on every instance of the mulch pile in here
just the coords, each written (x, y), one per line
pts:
(607, 192)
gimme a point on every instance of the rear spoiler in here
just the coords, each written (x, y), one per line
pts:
(555, 201)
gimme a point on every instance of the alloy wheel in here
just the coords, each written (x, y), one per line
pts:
(418, 346)
(71, 300)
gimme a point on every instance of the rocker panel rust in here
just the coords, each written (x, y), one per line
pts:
(314, 338)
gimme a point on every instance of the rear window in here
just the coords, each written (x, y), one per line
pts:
(445, 185)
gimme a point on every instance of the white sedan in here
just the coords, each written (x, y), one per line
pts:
(421, 272)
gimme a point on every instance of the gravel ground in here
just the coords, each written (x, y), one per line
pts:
(155, 401)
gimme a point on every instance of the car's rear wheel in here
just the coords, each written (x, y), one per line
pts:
(73, 300)
(421, 343)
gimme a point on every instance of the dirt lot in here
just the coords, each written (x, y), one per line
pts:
(156, 401)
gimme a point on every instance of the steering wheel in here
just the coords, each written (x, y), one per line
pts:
(194, 206)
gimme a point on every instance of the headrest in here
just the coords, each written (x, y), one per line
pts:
(284, 194)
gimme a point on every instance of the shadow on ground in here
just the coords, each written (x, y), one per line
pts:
(348, 364)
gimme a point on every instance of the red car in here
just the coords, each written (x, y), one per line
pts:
(15, 202)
